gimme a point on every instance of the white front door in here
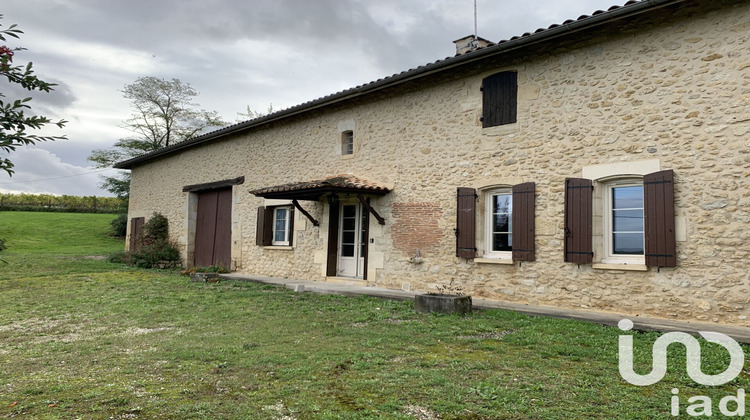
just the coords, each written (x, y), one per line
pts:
(352, 246)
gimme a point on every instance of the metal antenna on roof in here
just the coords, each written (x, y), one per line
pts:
(475, 20)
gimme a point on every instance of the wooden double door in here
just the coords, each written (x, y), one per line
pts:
(213, 229)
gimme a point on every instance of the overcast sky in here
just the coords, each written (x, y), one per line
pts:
(235, 53)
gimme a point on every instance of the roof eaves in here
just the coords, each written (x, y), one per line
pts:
(599, 17)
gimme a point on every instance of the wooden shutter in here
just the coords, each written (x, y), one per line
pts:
(291, 226)
(658, 203)
(466, 223)
(333, 236)
(499, 99)
(578, 220)
(264, 226)
(136, 231)
(523, 222)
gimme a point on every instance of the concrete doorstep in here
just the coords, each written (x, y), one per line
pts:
(740, 334)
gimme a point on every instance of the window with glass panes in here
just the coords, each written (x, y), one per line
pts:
(499, 223)
(281, 226)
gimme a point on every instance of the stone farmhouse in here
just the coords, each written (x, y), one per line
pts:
(601, 163)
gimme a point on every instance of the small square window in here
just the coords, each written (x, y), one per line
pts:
(347, 143)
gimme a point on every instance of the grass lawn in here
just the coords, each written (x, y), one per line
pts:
(83, 338)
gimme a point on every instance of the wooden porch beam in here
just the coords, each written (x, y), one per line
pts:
(303, 211)
(372, 211)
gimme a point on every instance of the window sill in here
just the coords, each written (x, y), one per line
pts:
(499, 130)
(279, 247)
(622, 267)
(494, 261)
(345, 157)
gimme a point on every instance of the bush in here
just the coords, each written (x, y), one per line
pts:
(119, 226)
(154, 244)
(210, 269)
(150, 255)
(117, 257)
(156, 229)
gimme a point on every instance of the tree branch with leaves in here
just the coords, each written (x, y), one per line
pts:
(14, 120)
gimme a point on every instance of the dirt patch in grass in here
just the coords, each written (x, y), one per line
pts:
(279, 411)
(39, 331)
(494, 335)
(421, 413)
(142, 331)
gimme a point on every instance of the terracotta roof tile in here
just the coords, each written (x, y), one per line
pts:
(341, 182)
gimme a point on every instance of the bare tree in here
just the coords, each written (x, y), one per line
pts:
(163, 114)
(249, 114)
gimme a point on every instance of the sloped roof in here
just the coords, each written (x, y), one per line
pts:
(313, 190)
(562, 30)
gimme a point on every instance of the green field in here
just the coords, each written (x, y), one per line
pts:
(83, 338)
(41, 244)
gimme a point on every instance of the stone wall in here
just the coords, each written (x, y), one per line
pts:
(676, 92)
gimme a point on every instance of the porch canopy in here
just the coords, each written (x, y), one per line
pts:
(314, 190)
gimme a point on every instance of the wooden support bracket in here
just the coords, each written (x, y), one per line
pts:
(303, 211)
(372, 211)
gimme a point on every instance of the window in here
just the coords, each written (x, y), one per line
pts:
(275, 226)
(623, 230)
(281, 226)
(635, 219)
(499, 99)
(347, 143)
(508, 223)
(498, 223)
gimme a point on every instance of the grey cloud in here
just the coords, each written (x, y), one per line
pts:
(49, 104)
(239, 53)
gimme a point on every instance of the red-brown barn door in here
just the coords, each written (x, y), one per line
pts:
(213, 229)
(136, 230)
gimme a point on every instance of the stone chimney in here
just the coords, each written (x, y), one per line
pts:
(471, 43)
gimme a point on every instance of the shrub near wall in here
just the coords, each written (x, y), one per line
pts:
(155, 250)
(62, 203)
